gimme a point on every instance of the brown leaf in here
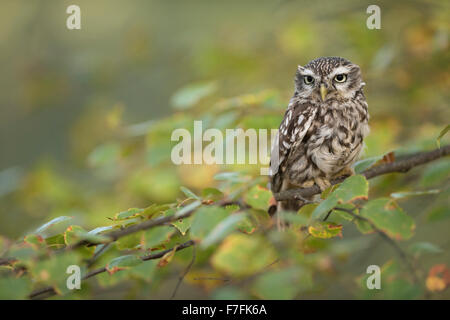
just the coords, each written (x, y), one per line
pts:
(167, 257)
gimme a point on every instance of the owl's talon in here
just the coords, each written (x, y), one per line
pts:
(322, 183)
(307, 184)
(346, 172)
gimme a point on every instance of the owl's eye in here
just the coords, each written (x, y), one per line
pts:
(309, 79)
(340, 78)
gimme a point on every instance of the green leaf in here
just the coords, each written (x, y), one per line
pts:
(241, 255)
(51, 223)
(325, 230)
(362, 165)
(222, 229)
(363, 226)
(189, 193)
(438, 214)
(353, 188)
(128, 214)
(56, 241)
(74, 234)
(190, 95)
(258, 197)
(229, 293)
(14, 288)
(183, 225)
(212, 194)
(436, 173)
(424, 247)
(386, 215)
(100, 230)
(443, 132)
(154, 210)
(188, 208)
(156, 236)
(104, 154)
(131, 241)
(278, 285)
(123, 262)
(400, 195)
(36, 241)
(52, 271)
(205, 219)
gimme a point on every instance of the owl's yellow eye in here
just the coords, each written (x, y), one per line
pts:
(309, 79)
(340, 78)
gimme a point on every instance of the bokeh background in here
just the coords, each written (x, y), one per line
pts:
(86, 115)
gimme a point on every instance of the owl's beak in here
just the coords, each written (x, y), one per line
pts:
(323, 92)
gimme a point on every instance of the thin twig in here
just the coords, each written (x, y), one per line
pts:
(188, 268)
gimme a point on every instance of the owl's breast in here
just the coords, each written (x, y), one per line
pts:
(336, 138)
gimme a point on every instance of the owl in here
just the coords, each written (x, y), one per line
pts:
(322, 132)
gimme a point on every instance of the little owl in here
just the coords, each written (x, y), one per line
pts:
(322, 131)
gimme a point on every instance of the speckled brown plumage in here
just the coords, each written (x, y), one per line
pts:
(323, 129)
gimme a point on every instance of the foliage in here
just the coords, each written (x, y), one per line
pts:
(109, 175)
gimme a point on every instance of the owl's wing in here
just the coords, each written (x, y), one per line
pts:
(296, 122)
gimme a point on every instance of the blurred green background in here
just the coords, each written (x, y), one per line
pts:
(86, 115)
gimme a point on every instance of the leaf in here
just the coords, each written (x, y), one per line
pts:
(242, 255)
(188, 208)
(51, 223)
(74, 234)
(156, 236)
(212, 194)
(130, 241)
(154, 210)
(438, 278)
(122, 263)
(424, 247)
(100, 230)
(14, 288)
(443, 132)
(165, 259)
(128, 214)
(400, 195)
(183, 225)
(280, 284)
(222, 229)
(353, 188)
(52, 271)
(362, 165)
(205, 219)
(439, 213)
(56, 241)
(258, 197)
(104, 154)
(190, 95)
(229, 176)
(325, 230)
(386, 215)
(36, 241)
(188, 193)
(436, 173)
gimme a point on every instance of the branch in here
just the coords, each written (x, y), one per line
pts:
(148, 224)
(50, 291)
(402, 165)
(188, 268)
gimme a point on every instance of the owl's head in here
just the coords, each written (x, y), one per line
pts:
(328, 78)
